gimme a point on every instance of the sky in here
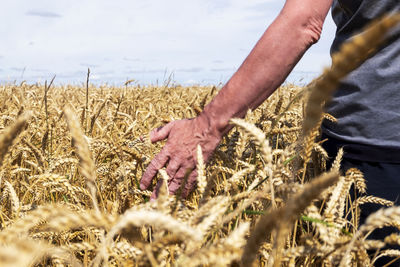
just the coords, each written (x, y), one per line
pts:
(193, 42)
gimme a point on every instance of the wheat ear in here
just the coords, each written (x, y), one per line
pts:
(373, 199)
(258, 136)
(388, 253)
(10, 133)
(85, 157)
(12, 195)
(359, 180)
(201, 173)
(393, 239)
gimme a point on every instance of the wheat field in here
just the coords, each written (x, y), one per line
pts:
(72, 157)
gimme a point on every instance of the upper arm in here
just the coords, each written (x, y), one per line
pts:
(308, 14)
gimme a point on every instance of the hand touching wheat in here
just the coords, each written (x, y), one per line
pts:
(179, 153)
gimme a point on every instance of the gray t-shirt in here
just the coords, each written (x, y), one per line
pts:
(367, 102)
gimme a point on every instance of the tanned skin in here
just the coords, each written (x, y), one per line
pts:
(297, 28)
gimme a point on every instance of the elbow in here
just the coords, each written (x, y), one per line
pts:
(305, 18)
(312, 29)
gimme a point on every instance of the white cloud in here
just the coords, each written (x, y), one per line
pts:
(44, 14)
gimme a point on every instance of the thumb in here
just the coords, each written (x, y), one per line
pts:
(161, 133)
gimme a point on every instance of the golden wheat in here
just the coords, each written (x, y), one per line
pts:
(259, 201)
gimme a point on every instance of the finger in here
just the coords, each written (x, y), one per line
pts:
(172, 168)
(157, 163)
(156, 190)
(190, 184)
(178, 179)
(161, 133)
(174, 185)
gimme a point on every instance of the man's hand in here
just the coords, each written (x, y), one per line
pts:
(179, 153)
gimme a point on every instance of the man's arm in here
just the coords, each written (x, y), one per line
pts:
(296, 28)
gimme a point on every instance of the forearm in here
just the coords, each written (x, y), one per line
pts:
(268, 64)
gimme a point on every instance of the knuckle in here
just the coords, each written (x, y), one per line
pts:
(145, 181)
(174, 185)
(157, 162)
(153, 164)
